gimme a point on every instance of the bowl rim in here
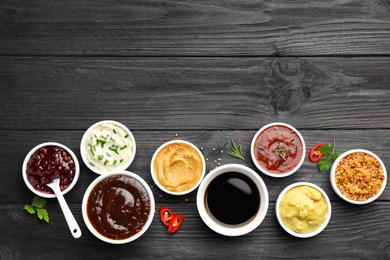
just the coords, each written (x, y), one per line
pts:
(155, 179)
(265, 171)
(27, 158)
(333, 172)
(90, 226)
(238, 230)
(318, 230)
(83, 139)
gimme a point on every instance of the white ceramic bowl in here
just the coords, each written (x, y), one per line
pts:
(315, 232)
(231, 230)
(94, 231)
(121, 167)
(154, 175)
(267, 172)
(336, 189)
(27, 158)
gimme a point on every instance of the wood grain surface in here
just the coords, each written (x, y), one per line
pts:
(195, 28)
(195, 93)
(204, 71)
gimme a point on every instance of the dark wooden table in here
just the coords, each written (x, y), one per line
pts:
(202, 71)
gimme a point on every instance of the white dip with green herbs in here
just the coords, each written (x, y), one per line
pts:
(108, 147)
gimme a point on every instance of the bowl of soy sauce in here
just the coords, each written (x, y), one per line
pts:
(232, 200)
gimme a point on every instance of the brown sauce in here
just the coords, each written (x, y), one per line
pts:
(118, 207)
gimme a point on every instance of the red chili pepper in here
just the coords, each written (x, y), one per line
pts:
(175, 223)
(166, 215)
(314, 154)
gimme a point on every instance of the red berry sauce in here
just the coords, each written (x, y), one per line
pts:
(48, 163)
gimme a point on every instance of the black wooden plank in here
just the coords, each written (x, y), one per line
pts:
(206, 28)
(354, 232)
(194, 93)
(16, 145)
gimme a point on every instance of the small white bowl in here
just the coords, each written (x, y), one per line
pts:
(90, 226)
(336, 189)
(231, 230)
(291, 232)
(267, 172)
(155, 179)
(83, 140)
(27, 158)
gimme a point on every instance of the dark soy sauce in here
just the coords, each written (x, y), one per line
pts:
(232, 198)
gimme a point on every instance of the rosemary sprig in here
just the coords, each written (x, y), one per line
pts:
(280, 150)
(236, 151)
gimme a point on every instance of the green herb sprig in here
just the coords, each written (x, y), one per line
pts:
(236, 151)
(280, 150)
(37, 207)
(326, 161)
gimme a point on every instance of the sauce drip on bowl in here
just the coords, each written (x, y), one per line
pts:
(278, 149)
(118, 207)
(232, 198)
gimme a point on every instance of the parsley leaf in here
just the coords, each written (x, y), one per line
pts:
(326, 149)
(37, 207)
(335, 155)
(42, 214)
(38, 202)
(326, 161)
(325, 164)
(29, 209)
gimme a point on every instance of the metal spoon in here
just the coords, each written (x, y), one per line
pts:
(72, 224)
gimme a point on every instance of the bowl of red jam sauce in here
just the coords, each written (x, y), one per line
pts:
(278, 150)
(118, 207)
(46, 162)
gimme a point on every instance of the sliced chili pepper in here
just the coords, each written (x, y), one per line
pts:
(314, 154)
(166, 215)
(175, 223)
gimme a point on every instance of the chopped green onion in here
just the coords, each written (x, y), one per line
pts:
(126, 135)
(114, 148)
(93, 154)
(101, 142)
(100, 157)
(109, 155)
(123, 147)
(106, 161)
(121, 161)
(114, 131)
(91, 164)
(115, 161)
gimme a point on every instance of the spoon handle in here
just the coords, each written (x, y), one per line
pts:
(72, 224)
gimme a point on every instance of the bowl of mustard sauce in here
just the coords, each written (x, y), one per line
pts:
(177, 167)
(303, 209)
